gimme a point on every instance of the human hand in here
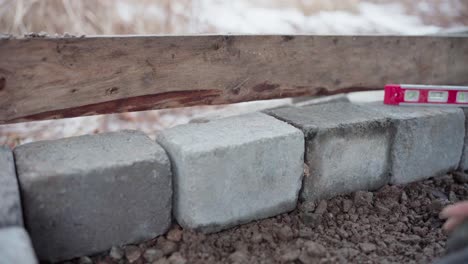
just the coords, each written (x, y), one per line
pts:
(455, 215)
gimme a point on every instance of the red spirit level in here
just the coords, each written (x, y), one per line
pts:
(414, 94)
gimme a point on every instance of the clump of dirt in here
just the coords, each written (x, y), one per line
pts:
(396, 224)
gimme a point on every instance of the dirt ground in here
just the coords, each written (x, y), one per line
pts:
(396, 224)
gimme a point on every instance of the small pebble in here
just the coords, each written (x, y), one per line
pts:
(162, 261)
(308, 207)
(177, 258)
(382, 209)
(257, 238)
(285, 233)
(348, 252)
(436, 205)
(439, 194)
(404, 197)
(362, 198)
(85, 260)
(152, 254)
(132, 253)
(238, 257)
(174, 235)
(321, 208)
(306, 232)
(315, 249)
(291, 255)
(347, 204)
(453, 197)
(116, 253)
(367, 247)
(312, 219)
(168, 247)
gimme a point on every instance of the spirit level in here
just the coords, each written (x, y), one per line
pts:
(414, 94)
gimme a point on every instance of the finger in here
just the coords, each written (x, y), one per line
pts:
(452, 223)
(456, 210)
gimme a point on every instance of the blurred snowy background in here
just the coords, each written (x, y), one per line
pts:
(106, 17)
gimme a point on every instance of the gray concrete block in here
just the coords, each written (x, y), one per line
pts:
(234, 170)
(428, 140)
(347, 148)
(15, 246)
(10, 202)
(464, 158)
(84, 194)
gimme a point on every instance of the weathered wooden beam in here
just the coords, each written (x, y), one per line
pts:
(45, 78)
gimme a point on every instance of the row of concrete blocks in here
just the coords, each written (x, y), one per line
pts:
(83, 195)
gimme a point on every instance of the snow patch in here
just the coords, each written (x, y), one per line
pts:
(241, 17)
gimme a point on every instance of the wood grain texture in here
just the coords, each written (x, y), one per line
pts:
(45, 78)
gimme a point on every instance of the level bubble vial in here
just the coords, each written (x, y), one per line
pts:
(438, 96)
(411, 96)
(462, 97)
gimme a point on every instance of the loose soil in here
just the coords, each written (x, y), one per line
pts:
(396, 224)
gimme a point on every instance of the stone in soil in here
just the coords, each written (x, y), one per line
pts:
(177, 258)
(238, 257)
(362, 198)
(85, 260)
(308, 206)
(314, 249)
(291, 255)
(166, 246)
(116, 253)
(285, 233)
(367, 247)
(162, 261)
(152, 254)
(321, 208)
(347, 204)
(174, 234)
(132, 253)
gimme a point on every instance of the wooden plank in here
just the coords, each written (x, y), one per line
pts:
(44, 78)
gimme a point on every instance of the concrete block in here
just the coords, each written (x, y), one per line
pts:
(464, 158)
(428, 140)
(347, 148)
(15, 246)
(10, 202)
(84, 194)
(234, 170)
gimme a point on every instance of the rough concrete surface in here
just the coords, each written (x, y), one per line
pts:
(428, 140)
(234, 170)
(464, 158)
(15, 246)
(85, 194)
(347, 147)
(10, 202)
